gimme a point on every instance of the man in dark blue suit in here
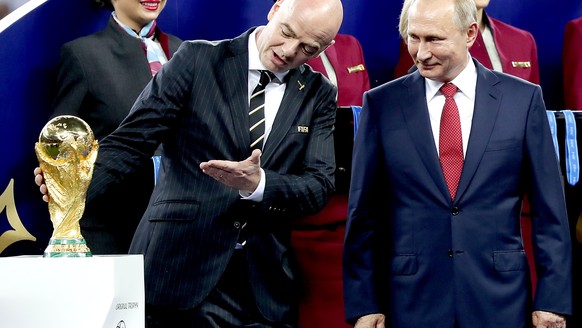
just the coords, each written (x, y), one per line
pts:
(215, 235)
(433, 234)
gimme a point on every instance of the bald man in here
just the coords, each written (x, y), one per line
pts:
(215, 235)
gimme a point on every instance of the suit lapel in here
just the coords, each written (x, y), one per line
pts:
(127, 50)
(234, 76)
(487, 103)
(295, 92)
(164, 41)
(331, 54)
(479, 51)
(418, 123)
(336, 68)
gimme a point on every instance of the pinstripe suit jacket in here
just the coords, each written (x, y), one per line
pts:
(197, 108)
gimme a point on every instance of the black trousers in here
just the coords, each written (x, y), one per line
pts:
(230, 304)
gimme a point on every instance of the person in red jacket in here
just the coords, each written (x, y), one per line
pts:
(347, 71)
(572, 64)
(318, 239)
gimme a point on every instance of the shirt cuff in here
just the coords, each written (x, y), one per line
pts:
(257, 195)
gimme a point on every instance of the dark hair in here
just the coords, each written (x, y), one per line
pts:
(105, 4)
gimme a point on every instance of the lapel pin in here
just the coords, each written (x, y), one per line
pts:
(357, 68)
(301, 85)
(521, 64)
(303, 129)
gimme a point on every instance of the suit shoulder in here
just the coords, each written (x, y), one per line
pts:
(396, 83)
(201, 55)
(202, 43)
(91, 46)
(108, 37)
(204, 46)
(317, 76)
(514, 83)
(84, 41)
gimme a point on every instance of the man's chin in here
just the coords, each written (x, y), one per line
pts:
(428, 73)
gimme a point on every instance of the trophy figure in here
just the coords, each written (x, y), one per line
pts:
(66, 151)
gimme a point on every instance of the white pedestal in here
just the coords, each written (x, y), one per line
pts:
(94, 292)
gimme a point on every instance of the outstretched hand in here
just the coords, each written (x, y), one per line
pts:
(244, 175)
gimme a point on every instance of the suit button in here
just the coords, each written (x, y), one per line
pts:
(450, 253)
(237, 224)
(455, 211)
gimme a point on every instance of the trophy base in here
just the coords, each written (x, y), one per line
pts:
(67, 248)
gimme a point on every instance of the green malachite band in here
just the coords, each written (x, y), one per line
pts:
(67, 248)
(67, 242)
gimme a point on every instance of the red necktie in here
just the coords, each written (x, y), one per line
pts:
(451, 140)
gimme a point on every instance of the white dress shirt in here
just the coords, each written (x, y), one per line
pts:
(466, 82)
(273, 96)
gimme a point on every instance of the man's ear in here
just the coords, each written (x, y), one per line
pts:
(472, 32)
(274, 9)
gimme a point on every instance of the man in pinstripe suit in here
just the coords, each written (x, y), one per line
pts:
(215, 235)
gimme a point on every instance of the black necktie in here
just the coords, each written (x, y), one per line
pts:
(257, 111)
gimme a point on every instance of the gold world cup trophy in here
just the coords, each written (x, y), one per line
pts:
(66, 151)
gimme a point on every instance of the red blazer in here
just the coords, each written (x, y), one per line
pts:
(516, 47)
(318, 239)
(351, 71)
(572, 64)
(347, 58)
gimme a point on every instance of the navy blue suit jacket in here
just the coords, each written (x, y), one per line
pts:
(197, 108)
(425, 260)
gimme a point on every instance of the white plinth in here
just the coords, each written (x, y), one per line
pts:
(95, 292)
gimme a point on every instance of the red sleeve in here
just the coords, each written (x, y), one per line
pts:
(572, 64)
